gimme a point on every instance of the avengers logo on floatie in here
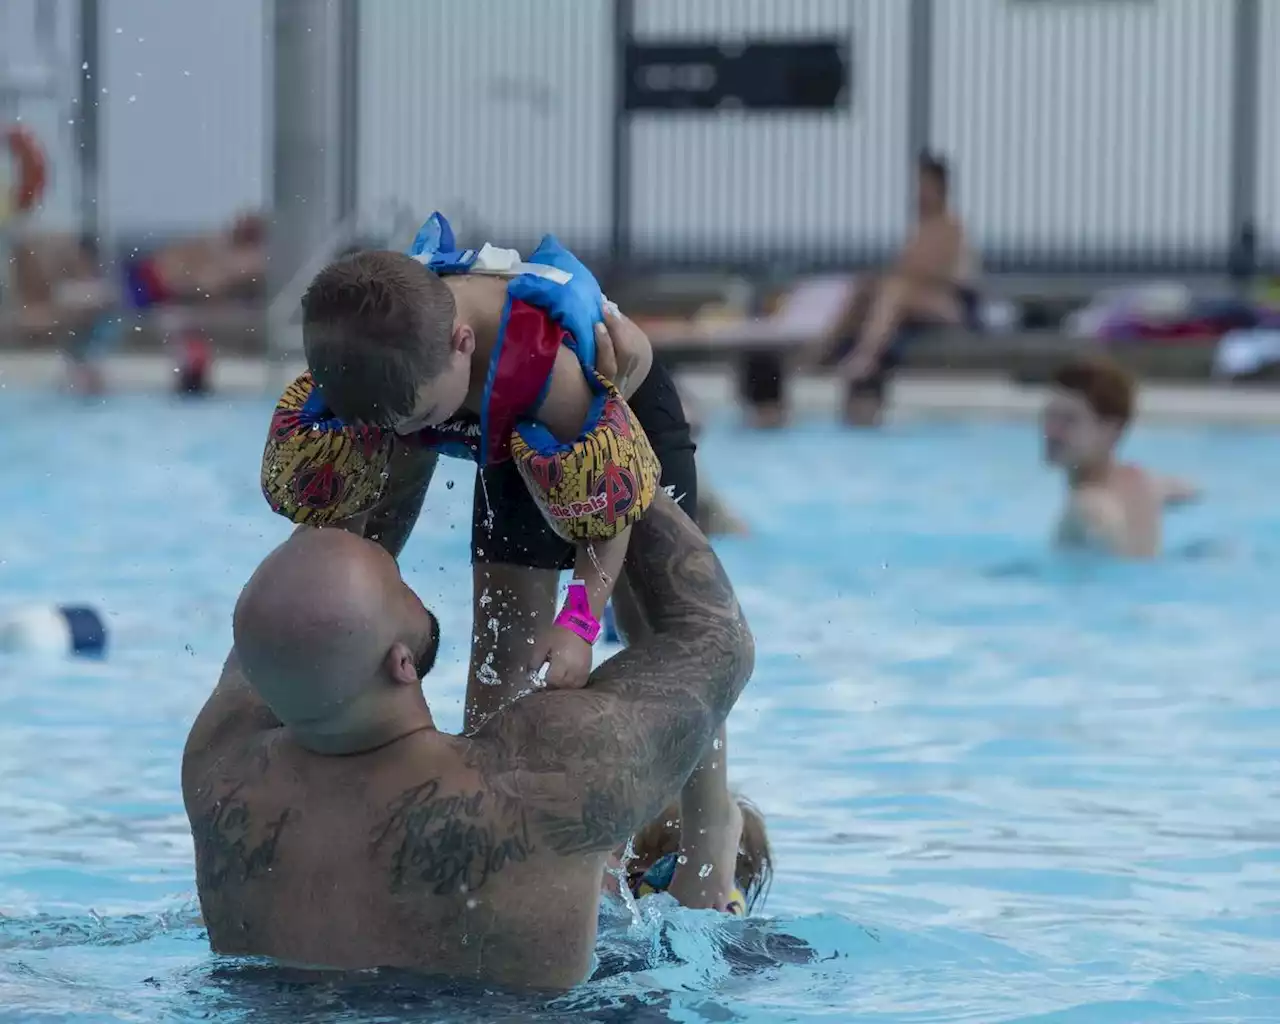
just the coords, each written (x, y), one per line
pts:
(598, 486)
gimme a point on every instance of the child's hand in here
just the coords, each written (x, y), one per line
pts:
(567, 657)
(624, 353)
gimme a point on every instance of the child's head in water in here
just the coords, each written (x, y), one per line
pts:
(753, 874)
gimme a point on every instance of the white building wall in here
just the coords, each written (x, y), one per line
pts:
(497, 112)
(744, 182)
(1078, 126)
(1072, 126)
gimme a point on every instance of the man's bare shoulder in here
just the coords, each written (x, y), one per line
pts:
(1094, 517)
(237, 825)
(1120, 516)
(232, 716)
(443, 829)
(1100, 501)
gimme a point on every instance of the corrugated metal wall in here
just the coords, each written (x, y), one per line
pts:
(742, 184)
(1080, 133)
(1077, 130)
(184, 104)
(1268, 199)
(182, 101)
(1081, 129)
(498, 112)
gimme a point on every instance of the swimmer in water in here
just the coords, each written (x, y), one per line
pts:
(1112, 507)
(336, 826)
(656, 849)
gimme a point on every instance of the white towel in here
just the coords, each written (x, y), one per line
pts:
(1246, 351)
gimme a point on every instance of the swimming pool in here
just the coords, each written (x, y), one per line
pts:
(1001, 787)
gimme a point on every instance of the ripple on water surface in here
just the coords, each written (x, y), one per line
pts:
(1001, 787)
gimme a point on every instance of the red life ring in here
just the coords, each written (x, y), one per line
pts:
(31, 170)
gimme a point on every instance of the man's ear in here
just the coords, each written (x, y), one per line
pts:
(401, 665)
(463, 340)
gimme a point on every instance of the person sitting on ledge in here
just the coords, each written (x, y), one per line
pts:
(932, 282)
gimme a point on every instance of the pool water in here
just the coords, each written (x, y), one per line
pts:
(1002, 786)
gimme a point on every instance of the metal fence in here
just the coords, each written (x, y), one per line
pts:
(1130, 134)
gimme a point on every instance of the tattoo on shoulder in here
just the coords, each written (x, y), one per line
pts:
(233, 846)
(229, 845)
(448, 842)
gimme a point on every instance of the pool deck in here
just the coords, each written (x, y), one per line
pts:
(915, 394)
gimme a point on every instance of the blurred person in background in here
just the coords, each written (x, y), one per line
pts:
(715, 516)
(181, 282)
(933, 282)
(68, 292)
(1112, 507)
(61, 297)
(224, 266)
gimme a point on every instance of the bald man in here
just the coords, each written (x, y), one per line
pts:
(335, 826)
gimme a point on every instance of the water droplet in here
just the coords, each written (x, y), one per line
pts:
(133, 99)
(448, 484)
(717, 744)
(119, 31)
(189, 650)
(84, 66)
(472, 904)
(682, 859)
(704, 871)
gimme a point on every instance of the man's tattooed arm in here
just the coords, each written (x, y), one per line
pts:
(593, 765)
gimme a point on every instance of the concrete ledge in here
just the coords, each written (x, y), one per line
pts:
(986, 396)
(1026, 355)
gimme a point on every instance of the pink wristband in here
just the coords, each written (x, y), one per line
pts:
(576, 615)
